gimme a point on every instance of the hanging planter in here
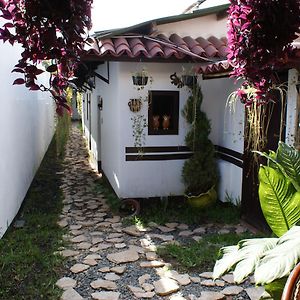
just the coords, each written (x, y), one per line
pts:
(189, 80)
(135, 105)
(140, 80)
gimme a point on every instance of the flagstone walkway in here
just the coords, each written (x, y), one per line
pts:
(110, 261)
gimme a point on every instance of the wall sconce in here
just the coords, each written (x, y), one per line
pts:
(100, 102)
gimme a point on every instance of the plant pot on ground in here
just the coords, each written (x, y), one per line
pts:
(200, 172)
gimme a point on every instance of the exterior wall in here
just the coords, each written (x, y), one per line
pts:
(27, 127)
(227, 130)
(142, 179)
(149, 178)
(203, 26)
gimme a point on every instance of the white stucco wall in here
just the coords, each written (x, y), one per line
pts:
(227, 130)
(204, 27)
(26, 129)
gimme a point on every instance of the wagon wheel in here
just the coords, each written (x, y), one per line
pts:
(292, 287)
(130, 207)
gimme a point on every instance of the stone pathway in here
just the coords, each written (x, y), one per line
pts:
(109, 261)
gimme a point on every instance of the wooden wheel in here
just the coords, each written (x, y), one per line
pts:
(292, 287)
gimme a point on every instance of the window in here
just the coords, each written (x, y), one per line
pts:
(163, 112)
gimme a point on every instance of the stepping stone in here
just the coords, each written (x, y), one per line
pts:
(66, 283)
(208, 282)
(197, 238)
(177, 297)
(220, 283)
(228, 278)
(137, 249)
(211, 296)
(133, 231)
(103, 284)
(185, 233)
(77, 232)
(232, 290)
(135, 289)
(165, 229)
(224, 231)
(114, 235)
(115, 240)
(164, 238)
(97, 240)
(84, 246)
(147, 287)
(106, 296)
(208, 275)
(78, 268)
(79, 239)
(120, 246)
(255, 293)
(93, 256)
(103, 224)
(90, 262)
(111, 276)
(195, 279)
(68, 253)
(183, 227)
(147, 295)
(172, 225)
(123, 257)
(200, 230)
(70, 294)
(114, 219)
(93, 233)
(151, 256)
(118, 270)
(62, 223)
(104, 269)
(165, 286)
(152, 264)
(182, 279)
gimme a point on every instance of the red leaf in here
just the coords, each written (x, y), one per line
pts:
(38, 71)
(19, 81)
(18, 70)
(34, 87)
(52, 68)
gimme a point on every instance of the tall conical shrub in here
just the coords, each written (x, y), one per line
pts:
(200, 172)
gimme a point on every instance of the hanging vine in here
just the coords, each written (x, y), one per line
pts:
(260, 33)
(53, 31)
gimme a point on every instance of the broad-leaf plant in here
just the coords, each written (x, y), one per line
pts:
(271, 259)
(49, 31)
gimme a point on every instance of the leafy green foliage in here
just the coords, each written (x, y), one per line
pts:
(279, 190)
(269, 259)
(279, 200)
(200, 172)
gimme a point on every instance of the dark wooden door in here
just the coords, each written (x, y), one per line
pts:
(251, 210)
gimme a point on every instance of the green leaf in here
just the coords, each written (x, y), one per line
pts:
(289, 158)
(279, 201)
(229, 259)
(276, 287)
(279, 261)
(249, 254)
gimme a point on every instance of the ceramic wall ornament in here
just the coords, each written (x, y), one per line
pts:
(155, 122)
(166, 122)
(135, 105)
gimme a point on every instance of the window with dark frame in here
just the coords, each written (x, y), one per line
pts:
(163, 113)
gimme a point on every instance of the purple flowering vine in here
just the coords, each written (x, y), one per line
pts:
(260, 33)
(48, 30)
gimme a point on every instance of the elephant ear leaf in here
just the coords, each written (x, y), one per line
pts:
(289, 159)
(279, 200)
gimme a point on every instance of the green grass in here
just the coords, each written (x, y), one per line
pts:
(175, 209)
(199, 256)
(28, 267)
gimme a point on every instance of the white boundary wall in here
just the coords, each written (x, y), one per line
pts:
(26, 129)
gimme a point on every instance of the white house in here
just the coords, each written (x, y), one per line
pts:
(26, 129)
(163, 47)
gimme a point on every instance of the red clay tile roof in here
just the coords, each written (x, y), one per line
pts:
(160, 46)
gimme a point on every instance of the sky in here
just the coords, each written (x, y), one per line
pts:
(110, 14)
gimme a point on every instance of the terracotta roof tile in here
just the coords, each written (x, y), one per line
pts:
(210, 50)
(194, 46)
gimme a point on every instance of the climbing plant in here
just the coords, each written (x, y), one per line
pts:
(53, 31)
(260, 33)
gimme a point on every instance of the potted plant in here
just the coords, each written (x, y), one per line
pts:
(199, 173)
